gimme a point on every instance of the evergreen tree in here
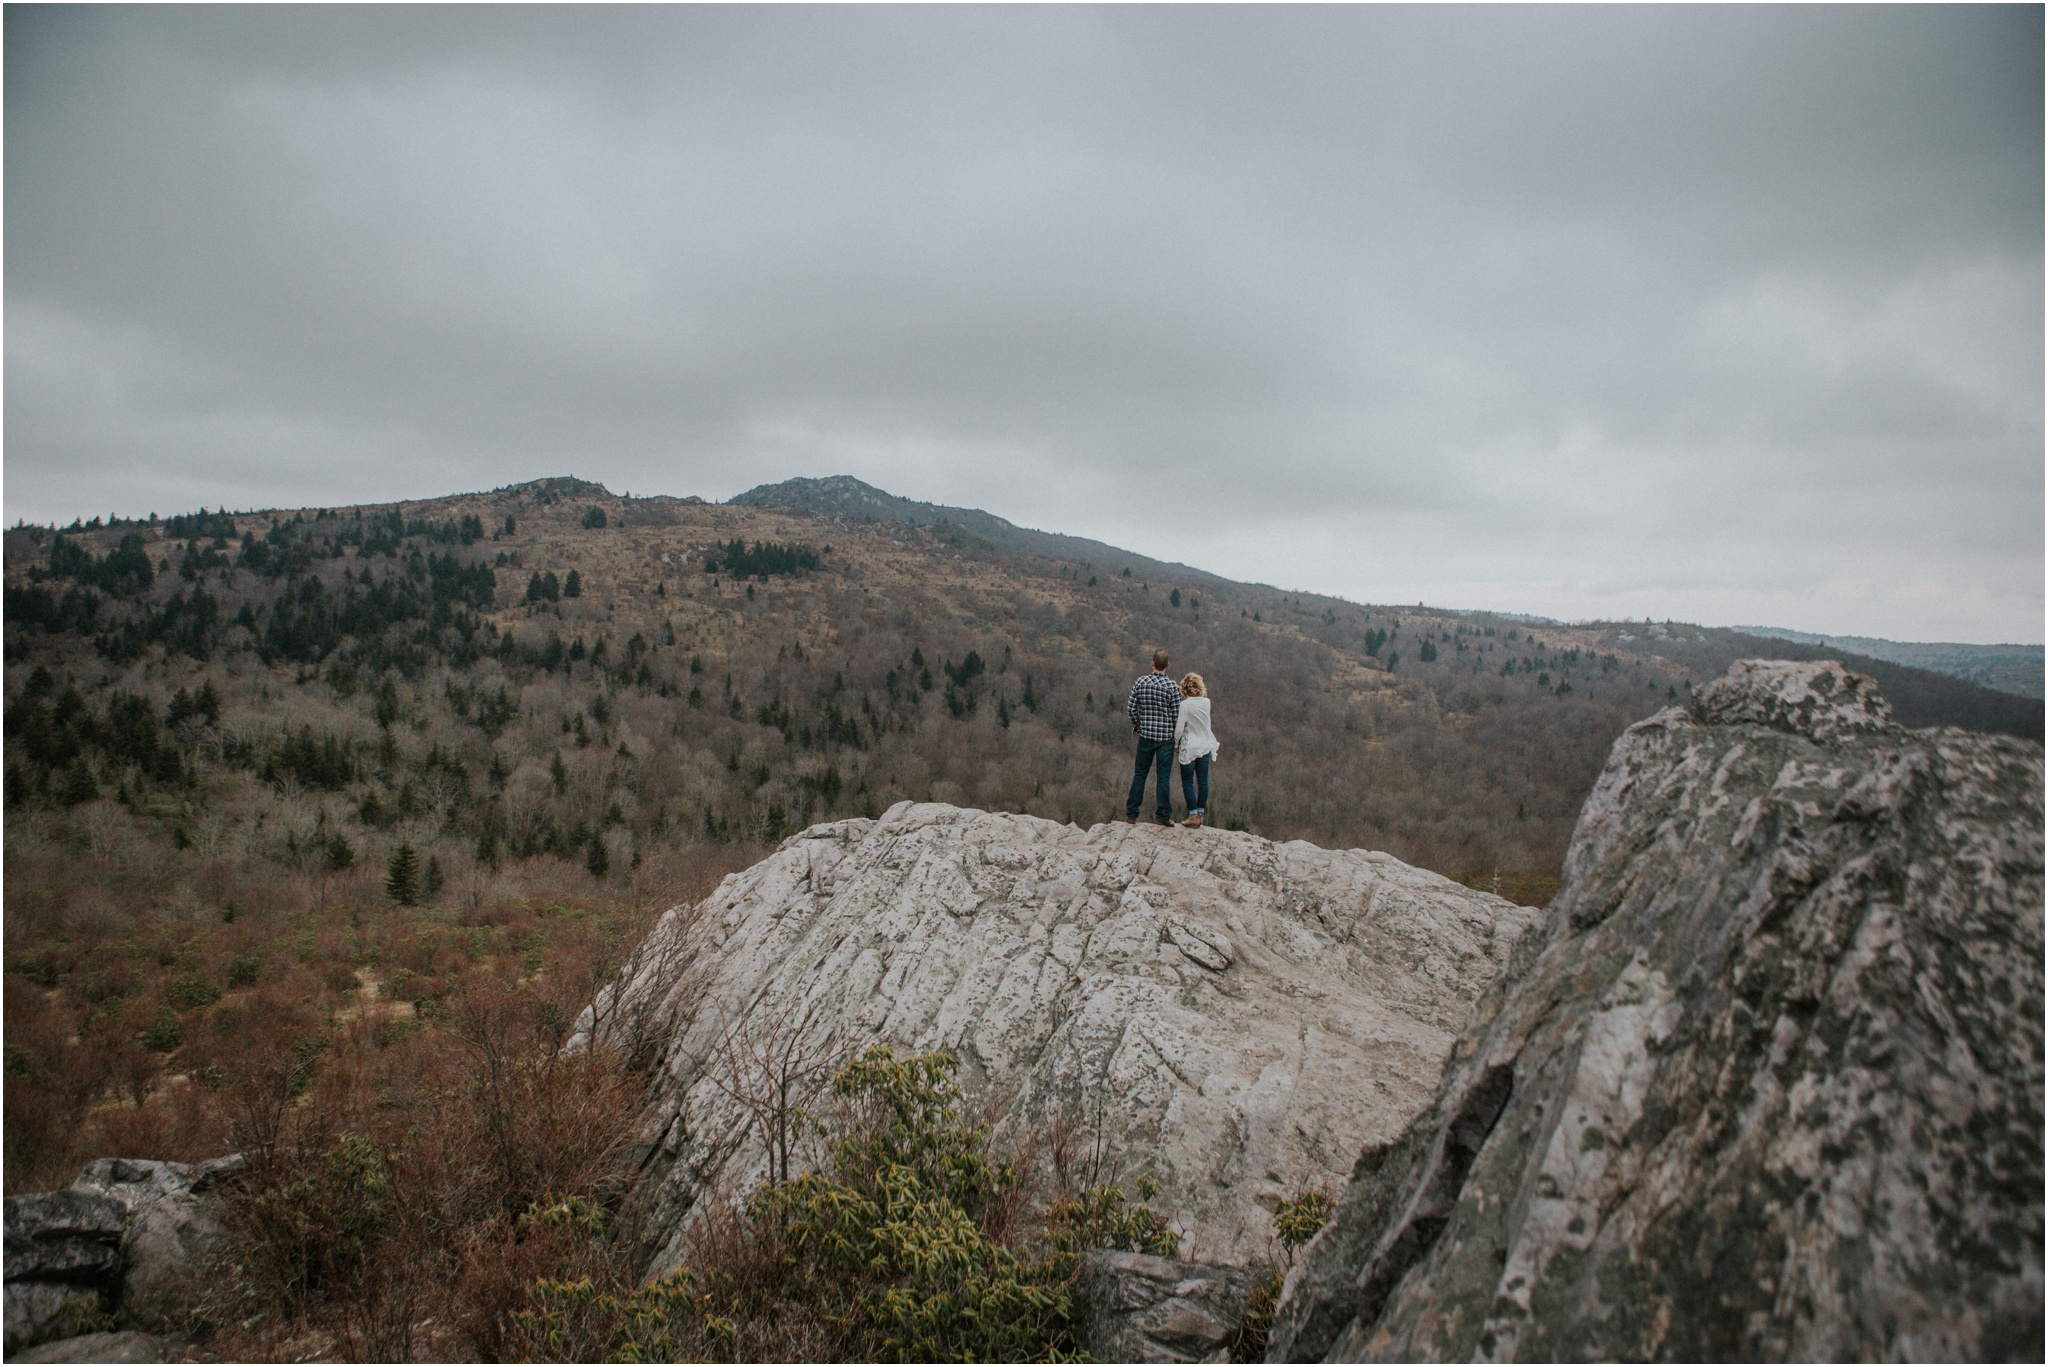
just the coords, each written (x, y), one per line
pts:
(487, 846)
(402, 877)
(600, 859)
(434, 880)
(572, 587)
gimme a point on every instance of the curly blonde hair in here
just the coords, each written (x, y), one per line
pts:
(1191, 686)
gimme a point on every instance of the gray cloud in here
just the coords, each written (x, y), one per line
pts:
(1728, 313)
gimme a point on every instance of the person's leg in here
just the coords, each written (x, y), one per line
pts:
(1137, 798)
(1165, 786)
(1200, 802)
(1187, 786)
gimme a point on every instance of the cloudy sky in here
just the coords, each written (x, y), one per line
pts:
(1727, 314)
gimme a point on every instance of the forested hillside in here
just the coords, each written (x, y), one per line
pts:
(230, 738)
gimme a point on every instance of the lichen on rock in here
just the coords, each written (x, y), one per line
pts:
(1767, 1084)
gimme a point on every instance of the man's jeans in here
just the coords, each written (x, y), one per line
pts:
(1194, 777)
(1151, 754)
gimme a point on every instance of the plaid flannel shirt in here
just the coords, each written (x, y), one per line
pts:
(1154, 706)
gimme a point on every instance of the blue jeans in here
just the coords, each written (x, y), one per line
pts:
(1151, 754)
(1194, 778)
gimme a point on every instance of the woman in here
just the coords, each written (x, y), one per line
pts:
(1195, 745)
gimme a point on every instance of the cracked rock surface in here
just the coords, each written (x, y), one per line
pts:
(1224, 1014)
(1767, 1084)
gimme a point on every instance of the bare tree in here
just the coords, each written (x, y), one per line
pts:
(773, 1066)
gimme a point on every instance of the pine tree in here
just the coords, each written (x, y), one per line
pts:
(433, 881)
(600, 859)
(402, 878)
(487, 846)
(572, 587)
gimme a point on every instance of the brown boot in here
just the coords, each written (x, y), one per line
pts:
(1194, 820)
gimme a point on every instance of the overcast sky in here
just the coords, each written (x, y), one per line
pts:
(1727, 314)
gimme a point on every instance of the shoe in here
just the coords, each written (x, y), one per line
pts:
(1164, 821)
(1128, 820)
(1194, 821)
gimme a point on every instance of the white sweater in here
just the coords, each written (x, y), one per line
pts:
(1191, 729)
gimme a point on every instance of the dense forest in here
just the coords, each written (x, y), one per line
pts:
(287, 792)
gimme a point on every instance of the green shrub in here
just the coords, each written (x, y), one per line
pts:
(163, 1034)
(395, 1030)
(895, 1250)
(190, 992)
(35, 965)
(1296, 1219)
(313, 1222)
(242, 970)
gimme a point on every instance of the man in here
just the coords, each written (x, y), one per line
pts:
(1154, 706)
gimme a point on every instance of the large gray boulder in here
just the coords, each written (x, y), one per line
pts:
(133, 1237)
(175, 1231)
(1766, 1085)
(63, 1236)
(1134, 1307)
(63, 1250)
(1226, 1015)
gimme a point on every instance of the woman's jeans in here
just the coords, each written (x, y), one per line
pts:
(1194, 778)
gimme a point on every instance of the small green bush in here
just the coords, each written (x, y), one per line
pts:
(35, 965)
(190, 992)
(163, 1034)
(900, 1249)
(314, 1224)
(242, 970)
(1296, 1219)
(395, 1030)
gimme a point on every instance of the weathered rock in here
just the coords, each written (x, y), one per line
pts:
(1133, 1307)
(1766, 1085)
(139, 1235)
(1230, 1016)
(125, 1345)
(69, 1236)
(36, 1310)
(175, 1231)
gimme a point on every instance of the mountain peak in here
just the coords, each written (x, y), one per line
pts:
(843, 496)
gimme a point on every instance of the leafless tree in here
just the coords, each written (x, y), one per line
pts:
(774, 1066)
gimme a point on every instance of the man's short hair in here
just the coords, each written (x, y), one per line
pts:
(1159, 660)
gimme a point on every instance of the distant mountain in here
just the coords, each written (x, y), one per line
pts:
(845, 499)
(2008, 668)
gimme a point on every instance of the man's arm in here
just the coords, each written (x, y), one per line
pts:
(1131, 704)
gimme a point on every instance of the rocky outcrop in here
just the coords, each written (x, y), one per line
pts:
(123, 1345)
(1226, 1015)
(1133, 1307)
(62, 1249)
(131, 1237)
(174, 1229)
(1766, 1085)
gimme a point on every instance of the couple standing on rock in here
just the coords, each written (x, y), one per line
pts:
(1171, 719)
